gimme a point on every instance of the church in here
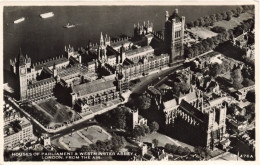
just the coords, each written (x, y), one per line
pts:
(197, 117)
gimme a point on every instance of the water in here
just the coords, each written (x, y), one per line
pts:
(45, 38)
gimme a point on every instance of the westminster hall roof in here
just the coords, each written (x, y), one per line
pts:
(92, 87)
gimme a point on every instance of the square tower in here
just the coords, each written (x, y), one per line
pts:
(174, 34)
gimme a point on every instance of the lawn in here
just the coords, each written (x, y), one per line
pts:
(235, 21)
(202, 32)
(74, 141)
(59, 112)
(163, 139)
(95, 133)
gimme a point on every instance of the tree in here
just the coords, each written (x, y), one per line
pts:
(207, 21)
(238, 31)
(138, 131)
(155, 142)
(117, 142)
(146, 129)
(196, 23)
(239, 10)
(213, 18)
(247, 82)
(245, 7)
(190, 24)
(154, 126)
(250, 96)
(237, 78)
(180, 150)
(168, 147)
(229, 15)
(218, 29)
(219, 17)
(188, 52)
(201, 21)
(171, 148)
(187, 151)
(144, 102)
(120, 118)
(224, 15)
(215, 69)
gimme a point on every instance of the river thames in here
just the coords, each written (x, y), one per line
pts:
(45, 38)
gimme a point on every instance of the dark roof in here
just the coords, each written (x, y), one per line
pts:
(175, 16)
(194, 112)
(148, 156)
(92, 87)
(138, 50)
(51, 62)
(42, 82)
(120, 42)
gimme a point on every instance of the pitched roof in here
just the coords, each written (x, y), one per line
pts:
(138, 50)
(41, 82)
(92, 87)
(169, 104)
(50, 63)
(194, 112)
(191, 96)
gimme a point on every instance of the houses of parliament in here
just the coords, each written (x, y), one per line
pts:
(109, 64)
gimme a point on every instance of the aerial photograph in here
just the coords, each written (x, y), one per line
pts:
(129, 83)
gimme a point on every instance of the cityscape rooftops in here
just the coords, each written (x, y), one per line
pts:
(170, 104)
(138, 50)
(188, 108)
(120, 42)
(94, 86)
(153, 90)
(16, 126)
(80, 69)
(41, 82)
(51, 63)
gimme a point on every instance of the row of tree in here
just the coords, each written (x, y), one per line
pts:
(179, 150)
(245, 26)
(119, 117)
(207, 44)
(142, 130)
(115, 144)
(225, 15)
(211, 43)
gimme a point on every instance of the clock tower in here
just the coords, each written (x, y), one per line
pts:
(22, 76)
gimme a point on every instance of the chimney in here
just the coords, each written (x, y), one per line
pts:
(176, 11)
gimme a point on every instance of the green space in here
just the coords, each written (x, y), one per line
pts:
(202, 32)
(59, 112)
(163, 139)
(74, 141)
(95, 133)
(234, 21)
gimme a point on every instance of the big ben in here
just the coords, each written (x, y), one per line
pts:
(22, 79)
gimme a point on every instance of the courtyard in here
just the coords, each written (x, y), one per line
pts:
(58, 112)
(95, 133)
(84, 137)
(163, 139)
(202, 32)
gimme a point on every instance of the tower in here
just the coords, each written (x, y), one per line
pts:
(122, 54)
(22, 76)
(135, 117)
(54, 69)
(102, 54)
(174, 34)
